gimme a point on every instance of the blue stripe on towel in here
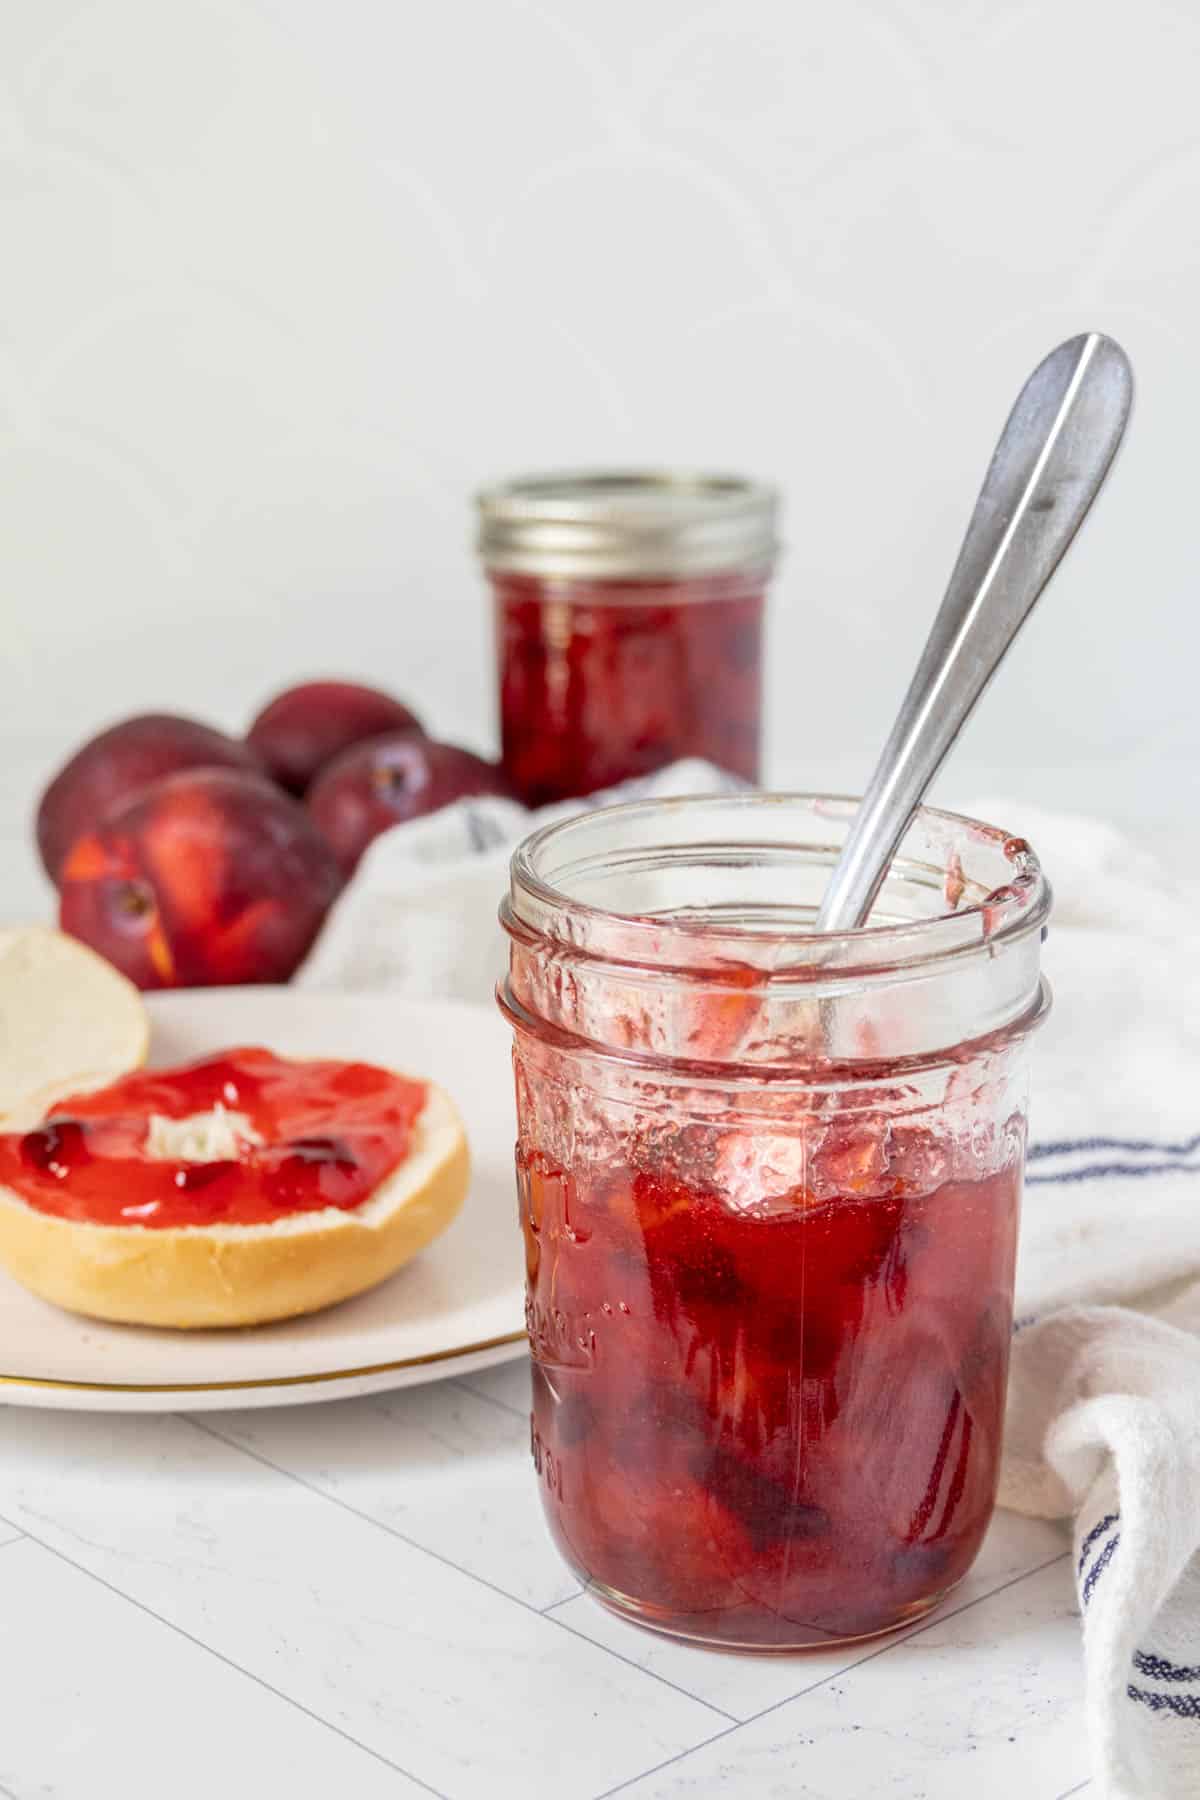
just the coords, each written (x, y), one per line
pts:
(1148, 1146)
(1108, 1171)
(1097, 1531)
(1184, 1706)
(1160, 1669)
(1098, 1567)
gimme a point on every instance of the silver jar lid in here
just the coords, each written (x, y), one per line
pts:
(626, 524)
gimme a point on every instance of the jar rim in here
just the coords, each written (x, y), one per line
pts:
(622, 524)
(990, 919)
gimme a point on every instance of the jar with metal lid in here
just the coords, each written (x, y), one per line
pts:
(629, 624)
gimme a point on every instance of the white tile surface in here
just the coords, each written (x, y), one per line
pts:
(439, 1465)
(292, 1579)
(101, 1699)
(986, 1703)
(743, 1686)
(466, 1689)
(281, 1602)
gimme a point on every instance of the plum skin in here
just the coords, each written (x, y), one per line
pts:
(389, 780)
(299, 732)
(208, 877)
(117, 764)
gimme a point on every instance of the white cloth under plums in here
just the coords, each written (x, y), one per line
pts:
(1104, 1405)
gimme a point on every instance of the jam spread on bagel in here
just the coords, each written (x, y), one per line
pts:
(243, 1138)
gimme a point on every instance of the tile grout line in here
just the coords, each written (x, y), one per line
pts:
(847, 1668)
(642, 1670)
(1076, 1790)
(12, 1540)
(565, 1601)
(446, 1562)
(513, 1412)
(228, 1662)
(940, 1618)
(693, 1750)
(915, 1631)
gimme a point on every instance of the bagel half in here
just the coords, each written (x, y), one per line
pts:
(68, 1023)
(193, 1276)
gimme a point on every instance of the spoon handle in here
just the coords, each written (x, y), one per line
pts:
(1048, 467)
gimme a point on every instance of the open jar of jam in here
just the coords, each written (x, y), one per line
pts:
(629, 624)
(769, 1185)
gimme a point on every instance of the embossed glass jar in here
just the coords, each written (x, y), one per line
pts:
(629, 624)
(769, 1185)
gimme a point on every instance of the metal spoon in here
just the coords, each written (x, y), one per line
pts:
(1048, 467)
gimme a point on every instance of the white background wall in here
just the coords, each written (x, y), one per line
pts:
(281, 281)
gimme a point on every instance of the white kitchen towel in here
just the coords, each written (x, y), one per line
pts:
(1104, 1404)
(1104, 1399)
(419, 918)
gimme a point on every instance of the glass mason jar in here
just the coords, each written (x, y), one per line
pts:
(629, 624)
(769, 1184)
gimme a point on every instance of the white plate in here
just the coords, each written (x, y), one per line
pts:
(458, 1306)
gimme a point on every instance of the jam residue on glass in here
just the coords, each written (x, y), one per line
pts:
(603, 681)
(327, 1134)
(775, 1423)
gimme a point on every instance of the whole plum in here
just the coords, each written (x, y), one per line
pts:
(117, 764)
(301, 731)
(389, 780)
(207, 878)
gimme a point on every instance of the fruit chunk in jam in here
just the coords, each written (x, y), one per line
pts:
(603, 681)
(299, 1136)
(776, 1424)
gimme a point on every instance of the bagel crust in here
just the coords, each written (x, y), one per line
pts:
(194, 1277)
